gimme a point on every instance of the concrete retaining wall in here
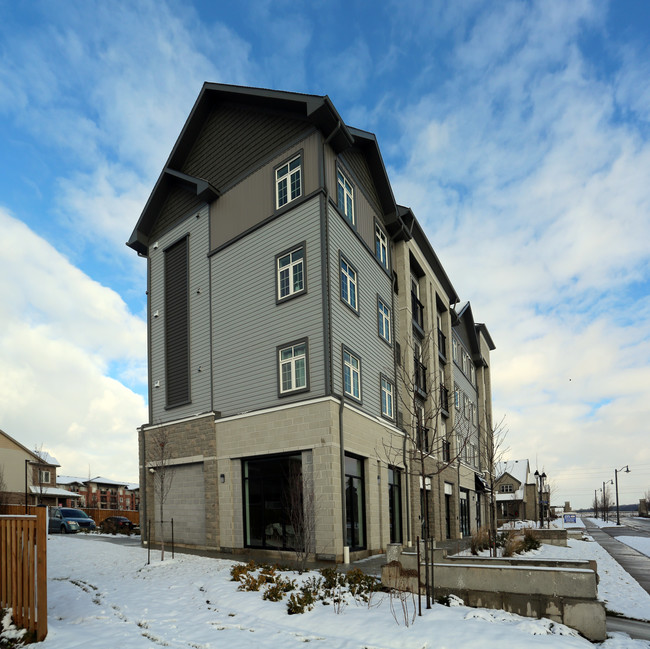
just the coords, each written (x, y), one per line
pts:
(561, 592)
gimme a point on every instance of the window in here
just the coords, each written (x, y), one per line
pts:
(43, 476)
(506, 488)
(355, 518)
(386, 398)
(293, 367)
(288, 182)
(383, 315)
(345, 193)
(454, 349)
(348, 284)
(351, 375)
(457, 397)
(290, 268)
(270, 486)
(381, 246)
(395, 504)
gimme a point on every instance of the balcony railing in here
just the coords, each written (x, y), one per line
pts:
(420, 377)
(418, 311)
(444, 398)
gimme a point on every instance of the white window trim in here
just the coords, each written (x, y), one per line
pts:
(383, 323)
(349, 279)
(381, 246)
(290, 268)
(291, 362)
(343, 183)
(387, 398)
(352, 366)
(288, 177)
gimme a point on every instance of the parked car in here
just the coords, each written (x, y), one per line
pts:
(114, 524)
(67, 520)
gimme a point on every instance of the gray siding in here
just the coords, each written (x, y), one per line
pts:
(234, 138)
(199, 306)
(178, 203)
(252, 200)
(359, 332)
(366, 203)
(250, 325)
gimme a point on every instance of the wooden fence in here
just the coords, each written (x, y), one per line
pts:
(23, 570)
(98, 515)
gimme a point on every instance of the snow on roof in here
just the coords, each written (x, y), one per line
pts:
(53, 491)
(133, 486)
(518, 469)
(100, 480)
(46, 457)
(68, 479)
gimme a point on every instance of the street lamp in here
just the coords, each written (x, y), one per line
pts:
(616, 472)
(541, 477)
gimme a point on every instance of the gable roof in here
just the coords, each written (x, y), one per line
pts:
(317, 110)
(41, 457)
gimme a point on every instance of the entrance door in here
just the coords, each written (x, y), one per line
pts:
(464, 512)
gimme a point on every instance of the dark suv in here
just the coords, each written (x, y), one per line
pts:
(67, 520)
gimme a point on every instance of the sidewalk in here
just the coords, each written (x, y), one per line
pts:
(632, 561)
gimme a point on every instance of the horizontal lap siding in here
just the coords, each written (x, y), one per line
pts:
(199, 316)
(248, 325)
(359, 333)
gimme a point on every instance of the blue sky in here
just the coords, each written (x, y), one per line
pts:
(519, 133)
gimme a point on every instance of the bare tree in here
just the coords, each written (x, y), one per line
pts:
(429, 444)
(300, 507)
(646, 497)
(605, 502)
(596, 505)
(4, 496)
(495, 452)
(163, 475)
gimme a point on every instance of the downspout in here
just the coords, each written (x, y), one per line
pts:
(143, 483)
(328, 340)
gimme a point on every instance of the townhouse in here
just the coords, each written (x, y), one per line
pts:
(300, 330)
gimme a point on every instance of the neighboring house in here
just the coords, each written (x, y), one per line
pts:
(101, 493)
(299, 323)
(29, 476)
(518, 492)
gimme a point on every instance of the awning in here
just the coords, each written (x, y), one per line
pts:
(480, 483)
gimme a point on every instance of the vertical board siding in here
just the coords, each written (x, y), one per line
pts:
(359, 332)
(250, 325)
(234, 138)
(178, 203)
(199, 319)
(252, 200)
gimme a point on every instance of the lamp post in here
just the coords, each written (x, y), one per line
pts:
(595, 503)
(616, 472)
(541, 477)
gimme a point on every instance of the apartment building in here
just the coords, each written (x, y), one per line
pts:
(300, 341)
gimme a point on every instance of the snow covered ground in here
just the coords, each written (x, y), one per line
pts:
(103, 594)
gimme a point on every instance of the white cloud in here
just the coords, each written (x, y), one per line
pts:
(535, 196)
(61, 332)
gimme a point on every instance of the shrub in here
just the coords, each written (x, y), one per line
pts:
(480, 541)
(514, 544)
(241, 569)
(530, 541)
